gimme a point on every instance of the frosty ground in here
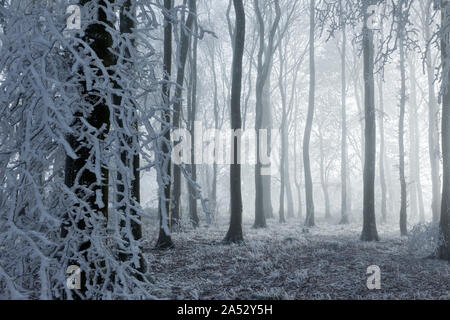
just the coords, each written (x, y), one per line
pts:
(283, 262)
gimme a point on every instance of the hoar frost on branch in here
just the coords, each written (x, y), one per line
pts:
(63, 107)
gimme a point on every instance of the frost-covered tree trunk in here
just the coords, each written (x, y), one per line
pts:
(185, 34)
(96, 112)
(444, 248)
(129, 145)
(164, 239)
(309, 221)
(234, 233)
(369, 232)
(401, 142)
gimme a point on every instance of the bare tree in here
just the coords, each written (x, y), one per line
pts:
(186, 31)
(264, 64)
(309, 222)
(369, 232)
(234, 233)
(433, 111)
(164, 239)
(444, 248)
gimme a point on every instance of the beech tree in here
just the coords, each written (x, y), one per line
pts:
(234, 233)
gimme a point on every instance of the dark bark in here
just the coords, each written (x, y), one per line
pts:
(77, 176)
(444, 226)
(234, 234)
(309, 222)
(369, 232)
(185, 34)
(164, 239)
(131, 161)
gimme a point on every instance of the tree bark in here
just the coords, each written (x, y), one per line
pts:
(323, 179)
(192, 191)
(234, 233)
(183, 53)
(414, 142)
(401, 143)
(309, 221)
(164, 238)
(77, 176)
(262, 75)
(369, 232)
(444, 226)
(433, 125)
(382, 157)
(344, 154)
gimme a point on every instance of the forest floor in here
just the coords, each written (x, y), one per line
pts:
(282, 262)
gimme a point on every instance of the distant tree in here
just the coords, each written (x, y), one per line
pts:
(426, 19)
(309, 222)
(192, 101)
(401, 24)
(344, 152)
(264, 65)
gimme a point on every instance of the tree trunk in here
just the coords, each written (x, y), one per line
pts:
(192, 190)
(164, 239)
(183, 52)
(234, 233)
(323, 179)
(127, 143)
(414, 142)
(401, 143)
(287, 181)
(369, 232)
(309, 222)
(444, 226)
(433, 126)
(267, 125)
(261, 79)
(283, 136)
(344, 155)
(382, 157)
(77, 176)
